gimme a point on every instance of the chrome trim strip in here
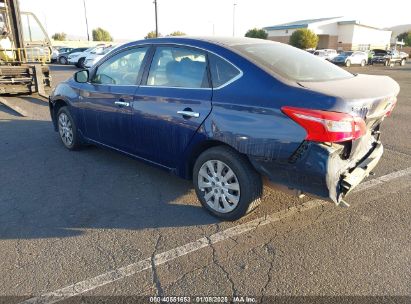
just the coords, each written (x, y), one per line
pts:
(166, 87)
(180, 44)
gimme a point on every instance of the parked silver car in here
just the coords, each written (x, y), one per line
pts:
(351, 57)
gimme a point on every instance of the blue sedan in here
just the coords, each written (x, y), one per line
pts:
(231, 114)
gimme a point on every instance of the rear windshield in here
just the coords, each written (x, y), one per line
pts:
(291, 63)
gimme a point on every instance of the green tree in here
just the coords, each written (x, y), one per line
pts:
(177, 33)
(256, 33)
(100, 34)
(406, 36)
(304, 39)
(59, 36)
(152, 34)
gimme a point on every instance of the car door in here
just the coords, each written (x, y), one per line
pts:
(172, 104)
(357, 58)
(107, 100)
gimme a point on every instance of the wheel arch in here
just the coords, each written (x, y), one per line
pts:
(54, 109)
(196, 151)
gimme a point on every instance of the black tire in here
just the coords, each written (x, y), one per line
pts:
(250, 182)
(75, 143)
(348, 63)
(80, 63)
(63, 60)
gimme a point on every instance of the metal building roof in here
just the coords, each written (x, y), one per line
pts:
(297, 24)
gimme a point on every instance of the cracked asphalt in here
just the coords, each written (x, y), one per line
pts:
(66, 217)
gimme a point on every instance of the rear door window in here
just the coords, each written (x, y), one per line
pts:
(222, 71)
(178, 67)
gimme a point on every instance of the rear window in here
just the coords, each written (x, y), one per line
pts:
(222, 72)
(291, 63)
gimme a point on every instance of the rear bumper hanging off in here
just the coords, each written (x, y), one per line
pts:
(320, 171)
(355, 176)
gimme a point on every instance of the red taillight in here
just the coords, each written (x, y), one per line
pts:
(324, 126)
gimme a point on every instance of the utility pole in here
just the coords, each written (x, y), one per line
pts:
(234, 5)
(155, 10)
(85, 15)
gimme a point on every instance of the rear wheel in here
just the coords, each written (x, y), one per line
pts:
(67, 129)
(226, 183)
(348, 63)
(63, 60)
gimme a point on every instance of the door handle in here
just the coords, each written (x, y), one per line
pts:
(122, 103)
(189, 113)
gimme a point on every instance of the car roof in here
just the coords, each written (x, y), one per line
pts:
(226, 42)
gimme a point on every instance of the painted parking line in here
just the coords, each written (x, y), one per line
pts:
(164, 257)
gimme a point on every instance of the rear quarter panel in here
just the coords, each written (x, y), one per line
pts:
(247, 116)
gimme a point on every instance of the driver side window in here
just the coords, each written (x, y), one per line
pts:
(121, 69)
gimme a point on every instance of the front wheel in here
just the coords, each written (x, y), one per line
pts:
(80, 63)
(67, 129)
(63, 60)
(226, 183)
(348, 63)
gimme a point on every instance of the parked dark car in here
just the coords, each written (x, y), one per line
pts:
(228, 113)
(388, 57)
(63, 57)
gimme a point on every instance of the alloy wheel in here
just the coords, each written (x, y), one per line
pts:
(66, 129)
(219, 185)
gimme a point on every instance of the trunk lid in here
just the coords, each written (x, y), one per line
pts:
(367, 96)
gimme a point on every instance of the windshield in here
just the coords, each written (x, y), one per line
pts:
(291, 63)
(346, 54)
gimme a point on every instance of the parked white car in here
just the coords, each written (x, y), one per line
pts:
(79, 58)
(351, 57)
(94, 57)
(331, 54)
(328, 54)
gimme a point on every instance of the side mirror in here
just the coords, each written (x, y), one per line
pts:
(81, 76)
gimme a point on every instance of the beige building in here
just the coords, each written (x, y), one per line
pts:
(335, 33)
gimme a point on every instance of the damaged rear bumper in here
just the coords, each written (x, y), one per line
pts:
(355, 176)
(320, 171)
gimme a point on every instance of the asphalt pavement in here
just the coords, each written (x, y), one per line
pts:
(94, 224)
